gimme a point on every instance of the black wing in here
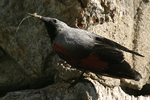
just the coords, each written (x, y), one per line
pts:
(116, 45)
(110, 50)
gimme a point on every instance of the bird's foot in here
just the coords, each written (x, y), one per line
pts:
(81, 78)
(77, 80)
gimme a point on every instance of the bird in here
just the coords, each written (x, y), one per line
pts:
(88, 51)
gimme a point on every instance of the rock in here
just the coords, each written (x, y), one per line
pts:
(82, 91)
(27, 60)
(29, 56)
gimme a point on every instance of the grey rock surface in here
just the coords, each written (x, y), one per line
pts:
(27, 60)
(82, 91)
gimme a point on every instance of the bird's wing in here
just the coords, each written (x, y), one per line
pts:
(110, 50)
(108, 53)
(115, 45)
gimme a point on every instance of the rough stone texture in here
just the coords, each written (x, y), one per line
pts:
(82, 91)
(27, 60)
(25, 63)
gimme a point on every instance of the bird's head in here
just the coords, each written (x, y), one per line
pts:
(53, 25)
(50, 22)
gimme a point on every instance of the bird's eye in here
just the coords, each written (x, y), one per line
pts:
(55, 21)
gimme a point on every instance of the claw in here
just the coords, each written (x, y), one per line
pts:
(83, 80)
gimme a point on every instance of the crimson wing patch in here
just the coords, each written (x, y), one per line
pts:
(92, 62)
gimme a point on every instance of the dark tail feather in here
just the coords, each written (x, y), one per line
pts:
(122, 70)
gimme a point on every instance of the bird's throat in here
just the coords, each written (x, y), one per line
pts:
(51, 32)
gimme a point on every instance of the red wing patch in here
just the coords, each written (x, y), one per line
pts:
(59, 48)
(64, 54)
(93, 62)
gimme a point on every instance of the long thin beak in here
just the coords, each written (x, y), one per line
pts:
(38, 16)
(35, 15)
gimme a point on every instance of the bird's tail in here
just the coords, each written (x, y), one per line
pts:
(122, 70)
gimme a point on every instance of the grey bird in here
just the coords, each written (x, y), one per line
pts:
(89, 51)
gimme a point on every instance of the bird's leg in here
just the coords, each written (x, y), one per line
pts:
(77, 80)
(81, 79)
